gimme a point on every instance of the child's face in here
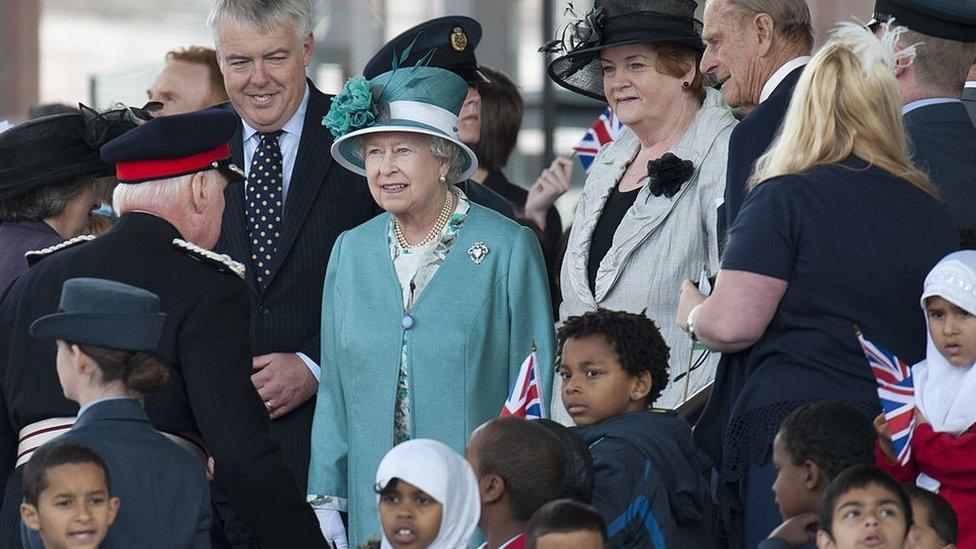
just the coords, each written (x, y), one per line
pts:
(595, 385)
(74, 510)
(924, 536)
(410, 517)
(793, 490)
(866, 517)
(953, 330)
(580, 539)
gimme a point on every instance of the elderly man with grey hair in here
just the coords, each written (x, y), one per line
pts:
(943, 138)
(756, 50)
(282, 223)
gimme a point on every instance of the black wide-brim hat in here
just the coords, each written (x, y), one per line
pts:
(58, 149)
(104, 313)
(618, 23)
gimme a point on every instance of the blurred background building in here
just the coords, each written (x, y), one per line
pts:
(102, 52)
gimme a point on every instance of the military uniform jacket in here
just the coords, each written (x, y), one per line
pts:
(165, 500)
(205, 343)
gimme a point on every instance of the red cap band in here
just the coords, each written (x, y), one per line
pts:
(147, 170)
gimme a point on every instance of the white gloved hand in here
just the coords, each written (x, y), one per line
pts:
(332, 529)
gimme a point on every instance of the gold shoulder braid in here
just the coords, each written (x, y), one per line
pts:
(223, 262)
(33, 256)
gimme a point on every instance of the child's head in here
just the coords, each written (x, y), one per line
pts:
(936, 526)
(578, 479)
(566, 524)
(814, 444)
(950, 307)
(67, 496)
(514, 484)
(427, 494)
(864, 507)
(612, 363)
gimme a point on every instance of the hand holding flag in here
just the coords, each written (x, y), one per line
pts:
(525, 398)
(897, 394)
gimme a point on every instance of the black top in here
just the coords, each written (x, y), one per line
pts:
(204, 343)
(613, 213)
(854, 244)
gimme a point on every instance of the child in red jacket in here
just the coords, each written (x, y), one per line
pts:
(944, 443)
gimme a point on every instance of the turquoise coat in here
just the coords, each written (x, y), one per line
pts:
(473, 326)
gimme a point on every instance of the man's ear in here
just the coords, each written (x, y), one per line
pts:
(28, 513)
(492, 488)
(765, 31)
(199, 194)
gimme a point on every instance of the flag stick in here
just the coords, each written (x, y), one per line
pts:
(702, 281)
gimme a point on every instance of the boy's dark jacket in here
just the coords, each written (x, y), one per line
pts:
(651, 482)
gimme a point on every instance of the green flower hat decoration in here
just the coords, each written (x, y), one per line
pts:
(419, 99)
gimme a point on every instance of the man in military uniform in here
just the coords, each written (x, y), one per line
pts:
(450, 43)
(172, 173)
(943, 139)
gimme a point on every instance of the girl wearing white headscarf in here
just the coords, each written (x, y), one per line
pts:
(944, 442)
(438, 471)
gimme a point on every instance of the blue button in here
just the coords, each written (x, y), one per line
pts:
(407, 322)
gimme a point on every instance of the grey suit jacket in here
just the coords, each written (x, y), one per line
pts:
(165, 500)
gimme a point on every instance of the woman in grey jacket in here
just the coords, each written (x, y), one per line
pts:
(647, 215)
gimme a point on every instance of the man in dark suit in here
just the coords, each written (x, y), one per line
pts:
(172, 173)
(281, 224)
(941, 134)
(449, 43)
(757, 58)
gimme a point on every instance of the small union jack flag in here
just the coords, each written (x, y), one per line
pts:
(897, 394)
(525, 398)
(605, 129)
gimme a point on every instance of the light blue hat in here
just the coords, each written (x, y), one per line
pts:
(418, 99)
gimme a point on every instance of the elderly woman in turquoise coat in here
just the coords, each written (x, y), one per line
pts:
(428, 309)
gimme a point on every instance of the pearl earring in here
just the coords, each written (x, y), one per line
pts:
(443, 178)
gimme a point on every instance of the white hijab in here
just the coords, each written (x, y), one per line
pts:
(946, 394)
(446, 476)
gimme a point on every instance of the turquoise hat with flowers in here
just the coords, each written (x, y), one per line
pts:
(419, 99)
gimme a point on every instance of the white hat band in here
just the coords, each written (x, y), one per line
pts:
(431, 115)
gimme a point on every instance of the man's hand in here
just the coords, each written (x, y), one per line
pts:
(553, 182)
(283, 381)
(798, 530)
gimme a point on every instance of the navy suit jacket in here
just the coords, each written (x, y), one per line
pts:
(943, 143)
(749, 140)
(165, 499)
(324, 199)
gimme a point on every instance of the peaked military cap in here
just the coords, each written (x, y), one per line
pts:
(453, 40)
(175, 145)
(105, 313)
(947, 19)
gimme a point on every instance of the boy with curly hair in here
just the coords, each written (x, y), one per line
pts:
(649, 478)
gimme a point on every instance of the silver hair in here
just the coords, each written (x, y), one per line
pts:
(164, 194)
(43, 203)
(442, 149)
(791, 18)
(261, 14)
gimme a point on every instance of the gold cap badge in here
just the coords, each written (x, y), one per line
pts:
(459, 40)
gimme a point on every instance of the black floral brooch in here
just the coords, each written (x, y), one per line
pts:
(667, 174)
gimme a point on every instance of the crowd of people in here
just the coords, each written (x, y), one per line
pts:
(252, 314)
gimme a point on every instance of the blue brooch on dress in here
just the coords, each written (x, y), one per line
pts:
(478, 252)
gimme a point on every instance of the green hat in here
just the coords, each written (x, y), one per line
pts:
(418, 99)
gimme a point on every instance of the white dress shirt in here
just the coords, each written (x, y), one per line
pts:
(781, 73)
(288, 143)
(905, 109)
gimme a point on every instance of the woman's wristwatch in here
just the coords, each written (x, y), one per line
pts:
(691, 321)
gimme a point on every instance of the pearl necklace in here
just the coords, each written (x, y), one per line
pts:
(446, 210)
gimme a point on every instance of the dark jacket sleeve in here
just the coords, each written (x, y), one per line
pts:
(215, 358)
(631, 497)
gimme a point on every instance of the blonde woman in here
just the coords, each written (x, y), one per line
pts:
(838, 230)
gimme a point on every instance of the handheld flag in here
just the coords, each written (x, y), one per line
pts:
(705, 287)
(525, 398)
(897, 394)
(604, 130)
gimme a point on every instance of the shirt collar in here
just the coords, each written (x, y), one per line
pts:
(294, 124)
(970, 84)
(96, 401)
(781, 73)
(905, 109)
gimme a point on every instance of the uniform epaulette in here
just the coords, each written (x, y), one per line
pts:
(33, 256)
(223, 262)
